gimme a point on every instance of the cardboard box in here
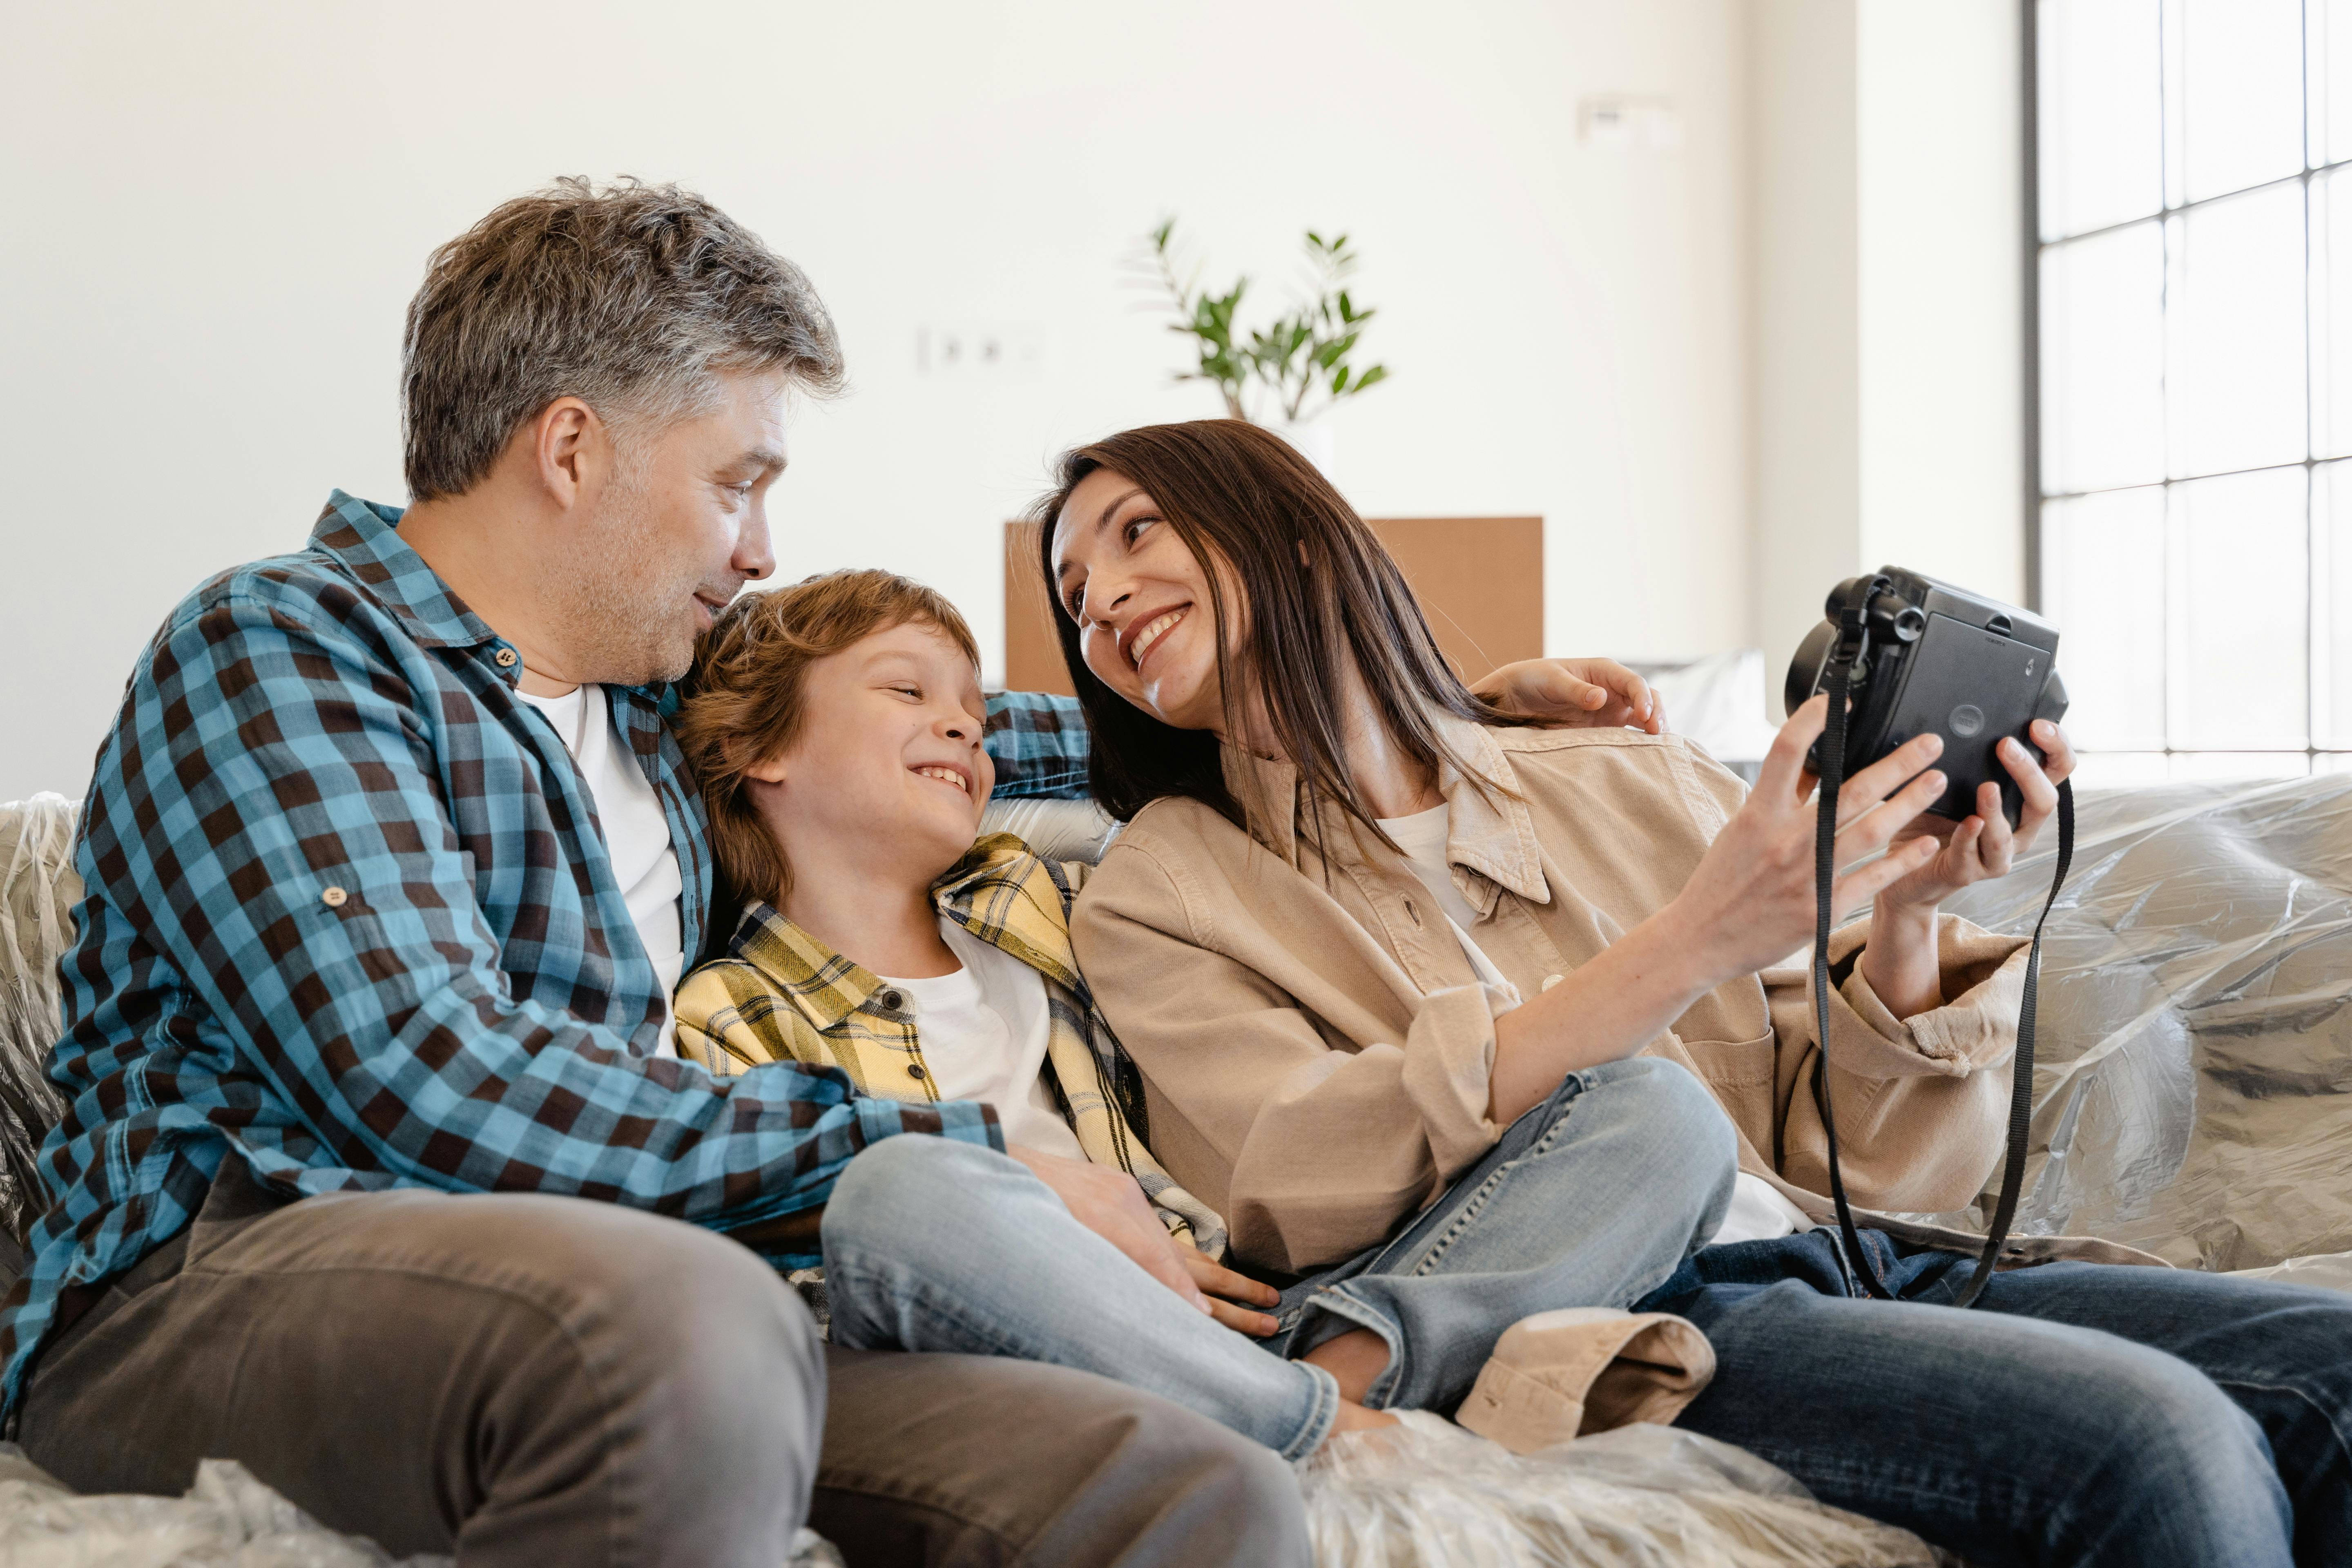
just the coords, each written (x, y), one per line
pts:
(1479, 579)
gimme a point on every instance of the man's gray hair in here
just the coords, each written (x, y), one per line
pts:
(633, 298)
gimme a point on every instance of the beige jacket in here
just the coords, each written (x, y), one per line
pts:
(1314, 1045)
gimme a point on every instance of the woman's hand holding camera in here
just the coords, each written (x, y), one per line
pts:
(1984, 846)
(1750, 902)
(1748, 905)
(1900, 964)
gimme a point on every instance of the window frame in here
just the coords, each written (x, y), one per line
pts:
(2323, 749)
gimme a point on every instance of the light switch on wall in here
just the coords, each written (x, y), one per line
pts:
(1618, 123)
(984, 349)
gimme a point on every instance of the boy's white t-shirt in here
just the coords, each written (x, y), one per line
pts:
(983, 1030)
(636, 833)
(1757, 1210)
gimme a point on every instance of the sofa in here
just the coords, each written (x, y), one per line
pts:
(2193, 1083)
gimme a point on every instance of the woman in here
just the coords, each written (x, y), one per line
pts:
(1334, 850)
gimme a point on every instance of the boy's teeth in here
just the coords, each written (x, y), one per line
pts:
(945, 775)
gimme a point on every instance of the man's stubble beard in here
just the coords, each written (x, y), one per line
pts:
(628, 606)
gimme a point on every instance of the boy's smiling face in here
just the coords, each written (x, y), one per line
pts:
(887, 761)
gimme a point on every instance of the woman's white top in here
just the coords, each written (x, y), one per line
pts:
(1757, 1210)
(983, 1031)
(1421, 837)
(636, 833)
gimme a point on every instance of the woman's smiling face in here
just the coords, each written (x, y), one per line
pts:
(1146, 626)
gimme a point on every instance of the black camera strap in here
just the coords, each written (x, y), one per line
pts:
(1850, 645)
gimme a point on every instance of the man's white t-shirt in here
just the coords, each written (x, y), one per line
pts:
(1757, 1210)
(636, 833)
(983, 1030)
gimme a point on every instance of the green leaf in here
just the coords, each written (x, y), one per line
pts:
(1280, 366)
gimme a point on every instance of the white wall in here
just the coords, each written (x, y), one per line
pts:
(1888, 418)
(1939, 206)
(1806, 503)
(220, 211)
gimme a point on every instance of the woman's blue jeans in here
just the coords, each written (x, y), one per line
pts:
(2084, 1415)
(1591, 1199)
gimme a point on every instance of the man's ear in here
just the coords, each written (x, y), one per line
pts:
(571, 450)
(768, 770)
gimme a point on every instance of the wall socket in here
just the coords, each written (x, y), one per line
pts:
(997, 351)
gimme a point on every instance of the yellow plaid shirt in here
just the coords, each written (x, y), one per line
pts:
(779, 994)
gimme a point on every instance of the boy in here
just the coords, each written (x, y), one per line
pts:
(835, 734)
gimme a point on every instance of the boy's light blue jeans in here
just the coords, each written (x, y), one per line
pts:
(1592, 1199)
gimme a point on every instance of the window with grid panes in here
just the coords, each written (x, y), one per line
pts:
(2194, 256)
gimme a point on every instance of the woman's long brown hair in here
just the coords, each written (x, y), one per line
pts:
(1244, 498)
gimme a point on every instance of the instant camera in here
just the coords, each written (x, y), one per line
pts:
(1933, 657)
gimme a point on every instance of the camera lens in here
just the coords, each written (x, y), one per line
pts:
(1805, 668)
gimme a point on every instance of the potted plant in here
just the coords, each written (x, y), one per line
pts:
(1288, 373)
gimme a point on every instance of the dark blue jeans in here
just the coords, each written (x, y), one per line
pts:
(2082, 1414)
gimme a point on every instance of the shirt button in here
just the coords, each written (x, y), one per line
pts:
(1550, 981)
(891, 1000)
(506, 657)
(915, 1069)
(334, 898)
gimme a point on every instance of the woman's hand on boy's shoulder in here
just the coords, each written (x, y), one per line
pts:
(1575, 693)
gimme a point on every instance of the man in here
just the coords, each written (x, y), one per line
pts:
(377, 1144)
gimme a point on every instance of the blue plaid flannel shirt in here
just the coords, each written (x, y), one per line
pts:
(349, 917)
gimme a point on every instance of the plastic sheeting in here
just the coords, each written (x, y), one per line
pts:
(227, 1520)
(37, 892)
(2328, 1271)
(2193, 1072)
(1426, 1494)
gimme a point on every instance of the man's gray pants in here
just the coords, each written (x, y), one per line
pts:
(527, 1380)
